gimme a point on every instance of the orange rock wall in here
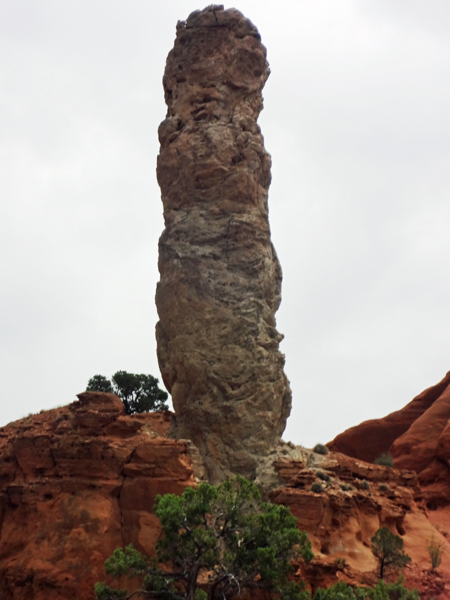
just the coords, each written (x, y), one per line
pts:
(75, 483)
(79, 481)
(418, 437)
(341, 522)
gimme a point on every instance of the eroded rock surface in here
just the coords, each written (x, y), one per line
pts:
(418, 437)
(356, 500)
(76, 483)
(220, 277)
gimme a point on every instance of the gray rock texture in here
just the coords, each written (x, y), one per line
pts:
(220, 279)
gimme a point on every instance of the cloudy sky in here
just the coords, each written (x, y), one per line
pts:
(357, 121)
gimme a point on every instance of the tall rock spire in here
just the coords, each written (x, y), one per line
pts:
(220, 279)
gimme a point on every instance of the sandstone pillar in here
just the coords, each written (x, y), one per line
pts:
(220, 279)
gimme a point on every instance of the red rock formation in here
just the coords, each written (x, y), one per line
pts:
(418, 437)
(79, 481)
(220, 278)
(371, 438)
(341, 522)
(75, 483)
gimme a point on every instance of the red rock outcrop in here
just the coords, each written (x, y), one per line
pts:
(358, 499)
(220, 279)
(75, 483)
(418, 437)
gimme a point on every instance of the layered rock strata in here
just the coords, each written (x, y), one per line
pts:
(76, 483)
(418, 437)
(220, 279)
(358, 498)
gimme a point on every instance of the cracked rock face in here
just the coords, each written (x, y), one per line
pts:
(76, 483)
(220, 283)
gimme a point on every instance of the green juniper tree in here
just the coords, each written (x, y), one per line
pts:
(139, 393)
(225, 533)
(388, 550)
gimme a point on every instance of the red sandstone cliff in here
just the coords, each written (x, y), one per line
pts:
(418, 437)
(77, 482)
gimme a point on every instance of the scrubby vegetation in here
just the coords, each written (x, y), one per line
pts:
(385, 460)
(225, 533)
(435, 551)
(320, 449)
(382, 591)
(139, 393)
(317, 487)
(220, 541)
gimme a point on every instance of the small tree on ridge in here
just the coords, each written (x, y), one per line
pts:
(139, 393)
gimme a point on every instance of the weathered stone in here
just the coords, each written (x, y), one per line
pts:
(70, 493)
(341, 520)
(371, 438)
(75, 483)
(220, 280)
(418, 437)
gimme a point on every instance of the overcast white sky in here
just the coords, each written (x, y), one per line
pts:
(357, 121)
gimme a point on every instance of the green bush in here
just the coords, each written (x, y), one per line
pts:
(323, 476)
(365, 485)
(226, 531)
(317, 487)
(320, 449)
(383, 487)
(340, 563)
(385, 460)
(393, 591)
(139, 393)
(340, 591)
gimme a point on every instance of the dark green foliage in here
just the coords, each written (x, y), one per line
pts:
(340, 563)
(382, 591)
(393, 591)
(388, 551)
(365, 485)
(227, 532)
(340, 591)
(99, 383)
(383, 487)
(139, 393)
(320, 449)
(317, 487)
(385, 460)
(104, 592)
(323, 476)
